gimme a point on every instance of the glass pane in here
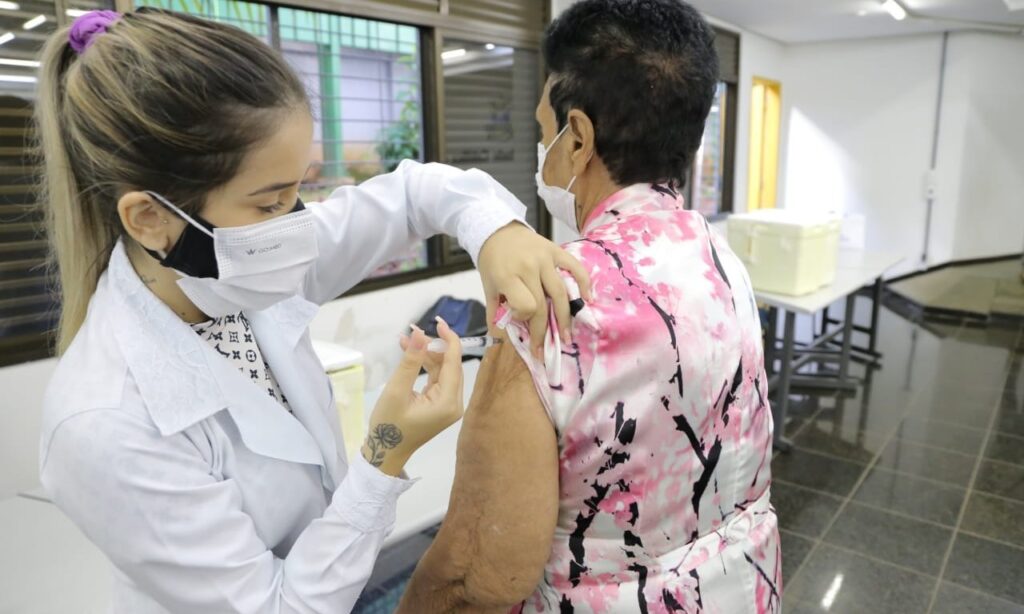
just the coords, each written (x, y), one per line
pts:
(709, 165)
(249, 16)
(364, 82)
(490, 94)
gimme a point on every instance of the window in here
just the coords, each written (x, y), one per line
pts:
(377, 84)
(711, 178)
(490, 94)
(28, 310)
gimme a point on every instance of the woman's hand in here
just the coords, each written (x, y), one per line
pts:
(403, 419)
(518, 264)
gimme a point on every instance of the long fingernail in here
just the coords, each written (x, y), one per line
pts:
(440, 320)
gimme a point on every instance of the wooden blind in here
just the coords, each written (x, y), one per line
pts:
(727, 44)
(525, 15)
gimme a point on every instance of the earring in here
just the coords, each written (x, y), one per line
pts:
(165, 221)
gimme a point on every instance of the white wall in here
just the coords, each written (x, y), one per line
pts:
(860, 134)
(990, 201)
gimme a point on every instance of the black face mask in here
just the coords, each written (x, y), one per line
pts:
(194, 253)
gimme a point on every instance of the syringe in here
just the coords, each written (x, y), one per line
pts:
(475, 344)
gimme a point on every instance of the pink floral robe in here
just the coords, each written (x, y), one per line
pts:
(664, 429)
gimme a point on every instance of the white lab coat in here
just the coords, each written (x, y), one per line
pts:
(206, 494)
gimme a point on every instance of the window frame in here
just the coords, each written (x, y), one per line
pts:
(730, 77)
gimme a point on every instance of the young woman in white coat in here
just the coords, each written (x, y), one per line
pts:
(189, 430)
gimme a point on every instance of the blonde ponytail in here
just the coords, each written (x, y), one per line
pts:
(80, 244)
(161, 101)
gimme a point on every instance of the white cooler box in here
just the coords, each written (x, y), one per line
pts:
(786, 252)
(345, 368)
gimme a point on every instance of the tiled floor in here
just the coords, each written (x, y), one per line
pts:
(909, 496)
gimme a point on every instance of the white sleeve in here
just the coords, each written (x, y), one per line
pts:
(359, 228)
(181, 535)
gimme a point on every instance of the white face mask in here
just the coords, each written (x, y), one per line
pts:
(258, 265)
(560, 202)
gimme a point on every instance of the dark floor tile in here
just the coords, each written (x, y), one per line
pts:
(794, 550)
(1006, 448)
(954, 599)
(857, 446)
(953, 437)
(932, 463)
(995, 518)
(792, 606)
(1001, 479)
(857, 585)
(987, 566)
(1010, 420)
(965, 413)
(912, 496)
(815, 471)
(895, 539)
(803, 511)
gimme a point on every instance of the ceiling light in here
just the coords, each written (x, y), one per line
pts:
(489, 46)
(9, 6)
(17, 79)
(895, 9)
(452, 54)
(35, 22)
(6, 38)
(75, 13)
(862, 12)
(23, 63)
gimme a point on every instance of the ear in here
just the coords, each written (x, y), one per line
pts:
(581, 130)
(148, 222)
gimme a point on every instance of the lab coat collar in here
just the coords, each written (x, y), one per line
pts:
(183, 381)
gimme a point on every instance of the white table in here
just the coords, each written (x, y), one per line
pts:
(855, 269)
(46, 564)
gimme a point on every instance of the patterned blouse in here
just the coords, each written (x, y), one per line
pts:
(664, 429)
(232, 338)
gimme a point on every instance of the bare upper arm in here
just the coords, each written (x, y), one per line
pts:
(497, 535)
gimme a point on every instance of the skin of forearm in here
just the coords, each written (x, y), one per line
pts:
(491, 549)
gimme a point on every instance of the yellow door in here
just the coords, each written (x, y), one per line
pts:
(766, 115)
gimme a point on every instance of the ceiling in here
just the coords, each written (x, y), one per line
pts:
(806, 21)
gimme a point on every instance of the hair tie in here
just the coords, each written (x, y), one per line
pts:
(88, 27)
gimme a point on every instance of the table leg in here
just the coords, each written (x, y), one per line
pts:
(844, 360)
(782, 404)
(771, 339)
(876, 302)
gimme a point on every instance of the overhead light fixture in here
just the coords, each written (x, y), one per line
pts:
(489, 46)
(452, 54)
(862, 13)
(22, 63)
(6, 38)
(75, 13)
(9, 6)
(17, 79)
(35, 22)
(895, 9)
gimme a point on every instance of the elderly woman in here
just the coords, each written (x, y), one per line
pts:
(627, 469)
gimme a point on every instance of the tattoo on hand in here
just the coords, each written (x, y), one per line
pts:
(384, 437)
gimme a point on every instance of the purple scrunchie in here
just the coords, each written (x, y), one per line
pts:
(87, 27)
